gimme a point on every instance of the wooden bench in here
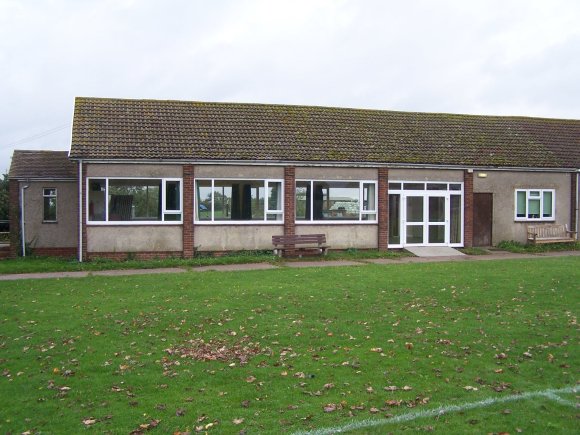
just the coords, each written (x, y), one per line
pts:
(550, 234)
(300, 243)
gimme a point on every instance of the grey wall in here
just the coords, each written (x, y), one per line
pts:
(503, 184)
(425, 175)
(60, 234)
(345, 236)
(136, 170)
(131, 238)
(220, 171)
(322, 173)
(235, 237)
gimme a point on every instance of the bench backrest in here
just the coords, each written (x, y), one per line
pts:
(299, 239)
(547, 231)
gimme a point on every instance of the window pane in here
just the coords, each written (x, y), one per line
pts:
(414, 209)
(436, 209)
(274, 217)
(97, 200)
(131, 200)
(394, 186)
(436, 233)
(395, 219)
(238, 200)
(436, 186)
(414, 233)
(203, 200)
(336, 201)
(534, 208)
(455, 186)
(547, 206)
(455, 224)
(49, 208)
(521, 204)
(172, 217)
(275, 196)
(172, 200)
(369, 197)
(414, 186)
(303, 200)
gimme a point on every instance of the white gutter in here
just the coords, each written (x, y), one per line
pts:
(22, 226)
(321, 164)
(80, 211)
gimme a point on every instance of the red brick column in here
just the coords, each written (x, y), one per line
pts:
(573, 203)
(468, 209)
(14, 217)
(188, 211)
(289, 203)
(83, 209)
(383, 209)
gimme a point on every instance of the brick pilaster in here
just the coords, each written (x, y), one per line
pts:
(573, 202)
(83, 209)
(14, 217)
(289, 200)
(188, 211)
(289, 203)
(468, 209)
(383, 209)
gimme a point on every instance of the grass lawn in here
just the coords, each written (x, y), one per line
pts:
(32, 264)
(289, 350)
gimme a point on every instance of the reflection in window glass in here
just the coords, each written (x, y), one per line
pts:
(455, 219)
(414, 209)
(436, 209)
(395, 219)
(49, 212)
(97, 195)
(414, 233)
(238, 200)
(131, 200)
(203, 200)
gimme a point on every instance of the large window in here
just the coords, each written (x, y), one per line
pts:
(49, 208)
(134, 200)
(535, 204)
(336, 201)
(222, 200)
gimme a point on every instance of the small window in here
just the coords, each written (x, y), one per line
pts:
(49, 196)
(534, 204)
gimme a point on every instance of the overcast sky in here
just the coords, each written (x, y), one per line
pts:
(482, 57)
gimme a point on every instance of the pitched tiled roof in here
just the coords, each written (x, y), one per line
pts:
(42, 164)
(181, 130)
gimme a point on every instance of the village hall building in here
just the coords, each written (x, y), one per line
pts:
(152, 179)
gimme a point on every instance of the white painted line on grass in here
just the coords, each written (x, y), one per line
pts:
(551, 394)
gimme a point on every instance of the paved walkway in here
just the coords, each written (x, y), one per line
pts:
(496, 255)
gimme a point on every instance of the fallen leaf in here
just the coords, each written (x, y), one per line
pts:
(331, 407)
(237, 420)
(470, 388)
(407, 388)
(409, 345)
(250, 379)
(89, 421)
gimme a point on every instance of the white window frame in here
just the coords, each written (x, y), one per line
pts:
(267, 211)
(361, 212)
(164, 210)
(425, 193)
(551, 218)
(50, 195)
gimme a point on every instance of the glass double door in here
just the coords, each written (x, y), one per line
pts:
(426, 219)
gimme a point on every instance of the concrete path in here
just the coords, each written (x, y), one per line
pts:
(434, 251)
(496, 255)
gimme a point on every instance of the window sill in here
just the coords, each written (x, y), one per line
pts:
(50, 222)
(227, 223)
(329, 222)
(132, 223)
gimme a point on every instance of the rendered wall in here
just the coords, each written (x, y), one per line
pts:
(503, 184)
(235, 237)
(425, 175)
(130, 238)
(141, 171)
(221, 171)
(345, 236)
(322, 173)
(60, 234)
